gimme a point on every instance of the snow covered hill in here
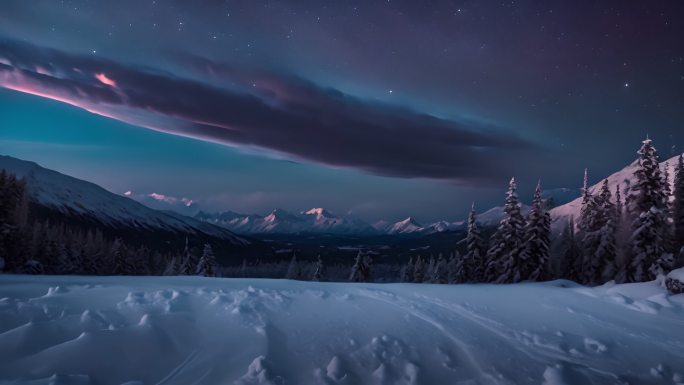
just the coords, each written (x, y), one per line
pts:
(190, 330)
(75, 198)
(561, 214)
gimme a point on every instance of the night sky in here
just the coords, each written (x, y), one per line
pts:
(381, 109)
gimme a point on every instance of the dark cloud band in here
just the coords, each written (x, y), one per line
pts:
(279, 113)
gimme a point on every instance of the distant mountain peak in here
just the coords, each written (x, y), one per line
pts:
(319, 211)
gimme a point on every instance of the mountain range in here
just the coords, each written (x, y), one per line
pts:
(83, 203)
(321, 221)
(61, 198)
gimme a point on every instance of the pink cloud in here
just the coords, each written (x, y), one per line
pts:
(105, 80)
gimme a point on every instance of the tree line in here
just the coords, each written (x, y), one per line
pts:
(630, 239)
(44, 247)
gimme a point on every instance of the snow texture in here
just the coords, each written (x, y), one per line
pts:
(193, 330)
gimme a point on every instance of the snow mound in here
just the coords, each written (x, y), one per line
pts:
(191, 330)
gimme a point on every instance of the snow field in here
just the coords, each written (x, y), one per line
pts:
(191, 330)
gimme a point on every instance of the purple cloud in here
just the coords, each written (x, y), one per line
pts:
(280, 114)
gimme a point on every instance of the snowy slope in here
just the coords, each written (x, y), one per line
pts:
(75, 197)
(493, 216)
(407, 226)
(190, 330)
(561, 214)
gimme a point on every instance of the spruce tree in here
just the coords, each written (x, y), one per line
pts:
(570, 253)
(503, 256)
(319, 269)
(119, 257)
(429, 270)
(207, 266)
(667, 190)
(360, 271)
(599, 238)
(293, 271)
(189, 261)
(647, 207)
(619, 210)
(678, 206)
(419, 271)
(606, 252)
(586, 199)
(407, 271)
(439, 273)
(455, 269)
(534, 259)
(473, 261)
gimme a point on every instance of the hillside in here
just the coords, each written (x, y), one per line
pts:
(64, 199)
(561, 214)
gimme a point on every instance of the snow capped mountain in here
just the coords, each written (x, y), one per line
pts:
(315, 220)
(407, 226)
(493, 216)
(90, 203)
(442, 226)
(157, 201)
(561, 214)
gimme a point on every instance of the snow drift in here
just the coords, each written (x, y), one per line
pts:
(189, 330)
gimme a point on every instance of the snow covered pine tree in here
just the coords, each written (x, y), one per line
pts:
(207, 266)
(503, 256)
(534, 259)
(473, 261)
(647, 208)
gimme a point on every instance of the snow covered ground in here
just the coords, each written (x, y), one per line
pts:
(189, 330)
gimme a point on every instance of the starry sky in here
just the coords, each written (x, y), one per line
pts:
(379, 109)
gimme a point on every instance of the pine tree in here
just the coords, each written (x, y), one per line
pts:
(407, 271)
(599, 238)
(667, 190)
(534, 259)
(189, 261)
(473, 261)
(293, 271)
(503, 256)
(647, 207)
(360, 272)
(439, 273)
(619, 210)
(13, 215)
(586, 198)
(678, 206)
(419, 271)
(319, 269)
(571, 254)
(207, 266)
(455, 269)
(119, 257)
(429, 270)
(607, 248)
